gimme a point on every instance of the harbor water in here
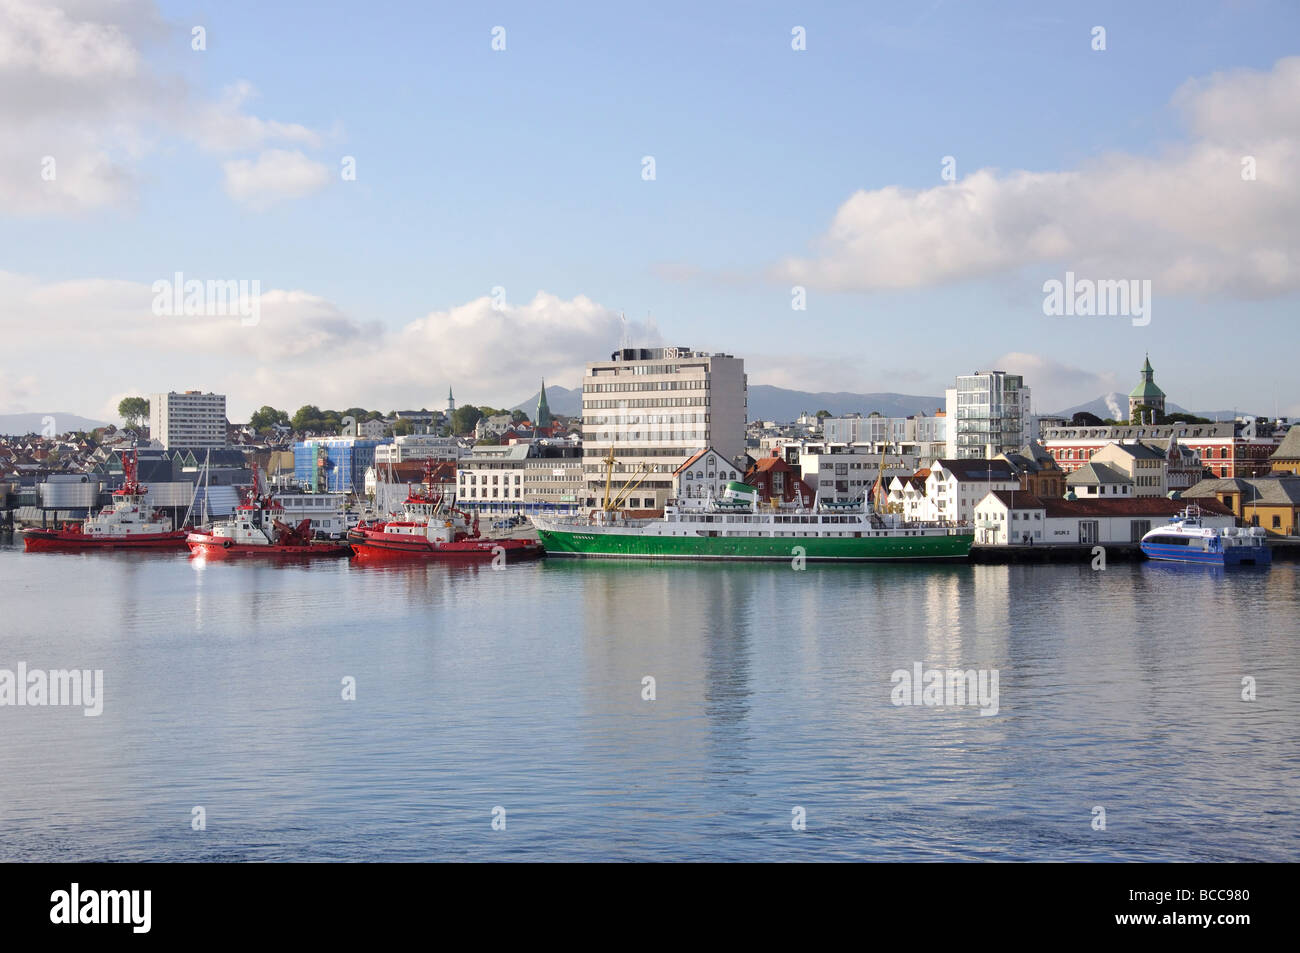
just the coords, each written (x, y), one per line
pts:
(607, 710)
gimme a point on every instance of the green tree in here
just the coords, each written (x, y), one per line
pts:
(262, 420)
(402, 427)
(464, 419)
(307, 418)
(1145, 412)
(133, 410)
(823, 413)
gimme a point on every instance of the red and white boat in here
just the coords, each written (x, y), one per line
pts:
(430, 528)
(256, 529)
(129, 522)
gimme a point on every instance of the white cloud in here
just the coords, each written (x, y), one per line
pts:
(1186, 219)
(85, 83)
(1054, 385)
(222, 126)
(305, 349)
(275, 175)
(44, 40)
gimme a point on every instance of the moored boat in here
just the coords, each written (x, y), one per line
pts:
(431, 528)
(257, 528)
(129, 522)
(1185, 539)
(738, 528)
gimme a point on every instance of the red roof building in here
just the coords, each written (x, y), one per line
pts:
(777, 481)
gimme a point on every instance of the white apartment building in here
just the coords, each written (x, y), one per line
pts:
(842, 474)
(655, 408)
(418, 447)
(191, 419)
(988, 414)
(519, 477)
(921, 435)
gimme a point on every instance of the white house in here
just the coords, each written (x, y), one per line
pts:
(954, 487)
(1098, 481)
(1145, 467)
(907, 495)
(704, 475)
(1003, 518)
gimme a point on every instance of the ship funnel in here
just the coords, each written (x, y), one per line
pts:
(740, 493)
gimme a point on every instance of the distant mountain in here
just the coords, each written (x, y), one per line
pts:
(1114, 406)
(782, 405)
(22, 424)
(561, 400)
(771, 403)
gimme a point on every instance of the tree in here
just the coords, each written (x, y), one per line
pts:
(1144, 413)
(402, 427)
(823, 413)
(307, 418)
(264, 419)
(464, 419)
(133, 410)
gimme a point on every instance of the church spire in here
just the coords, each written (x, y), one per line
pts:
(543, 416)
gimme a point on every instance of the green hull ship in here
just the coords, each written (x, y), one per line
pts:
(741, 530)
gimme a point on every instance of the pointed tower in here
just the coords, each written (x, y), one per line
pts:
(543, 417)
(1146, 393)
(451, 403)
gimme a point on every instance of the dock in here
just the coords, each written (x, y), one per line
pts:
(1287, 548)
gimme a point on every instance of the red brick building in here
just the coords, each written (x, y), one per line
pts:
(777, 480)
(1226, 449)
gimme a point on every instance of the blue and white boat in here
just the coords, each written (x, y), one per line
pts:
(1185, 540)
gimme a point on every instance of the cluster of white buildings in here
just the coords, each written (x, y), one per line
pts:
(986, 414)
(673, 421)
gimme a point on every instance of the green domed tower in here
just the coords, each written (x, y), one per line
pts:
(1146, 393)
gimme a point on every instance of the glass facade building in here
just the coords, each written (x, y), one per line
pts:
(335, 464)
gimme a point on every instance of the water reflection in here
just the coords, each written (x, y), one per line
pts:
(525, 686)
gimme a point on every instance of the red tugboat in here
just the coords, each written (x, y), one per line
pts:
(257, 530)
(128, 523)
(431, 529)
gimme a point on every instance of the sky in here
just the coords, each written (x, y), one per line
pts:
(851, 196)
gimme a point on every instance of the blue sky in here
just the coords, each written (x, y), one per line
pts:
(521, 169)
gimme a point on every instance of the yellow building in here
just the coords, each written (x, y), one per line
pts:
(1286, 458)
(1270, 502)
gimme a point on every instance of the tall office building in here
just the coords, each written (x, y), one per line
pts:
(191, 419)
(988, 414)
(655, 408)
